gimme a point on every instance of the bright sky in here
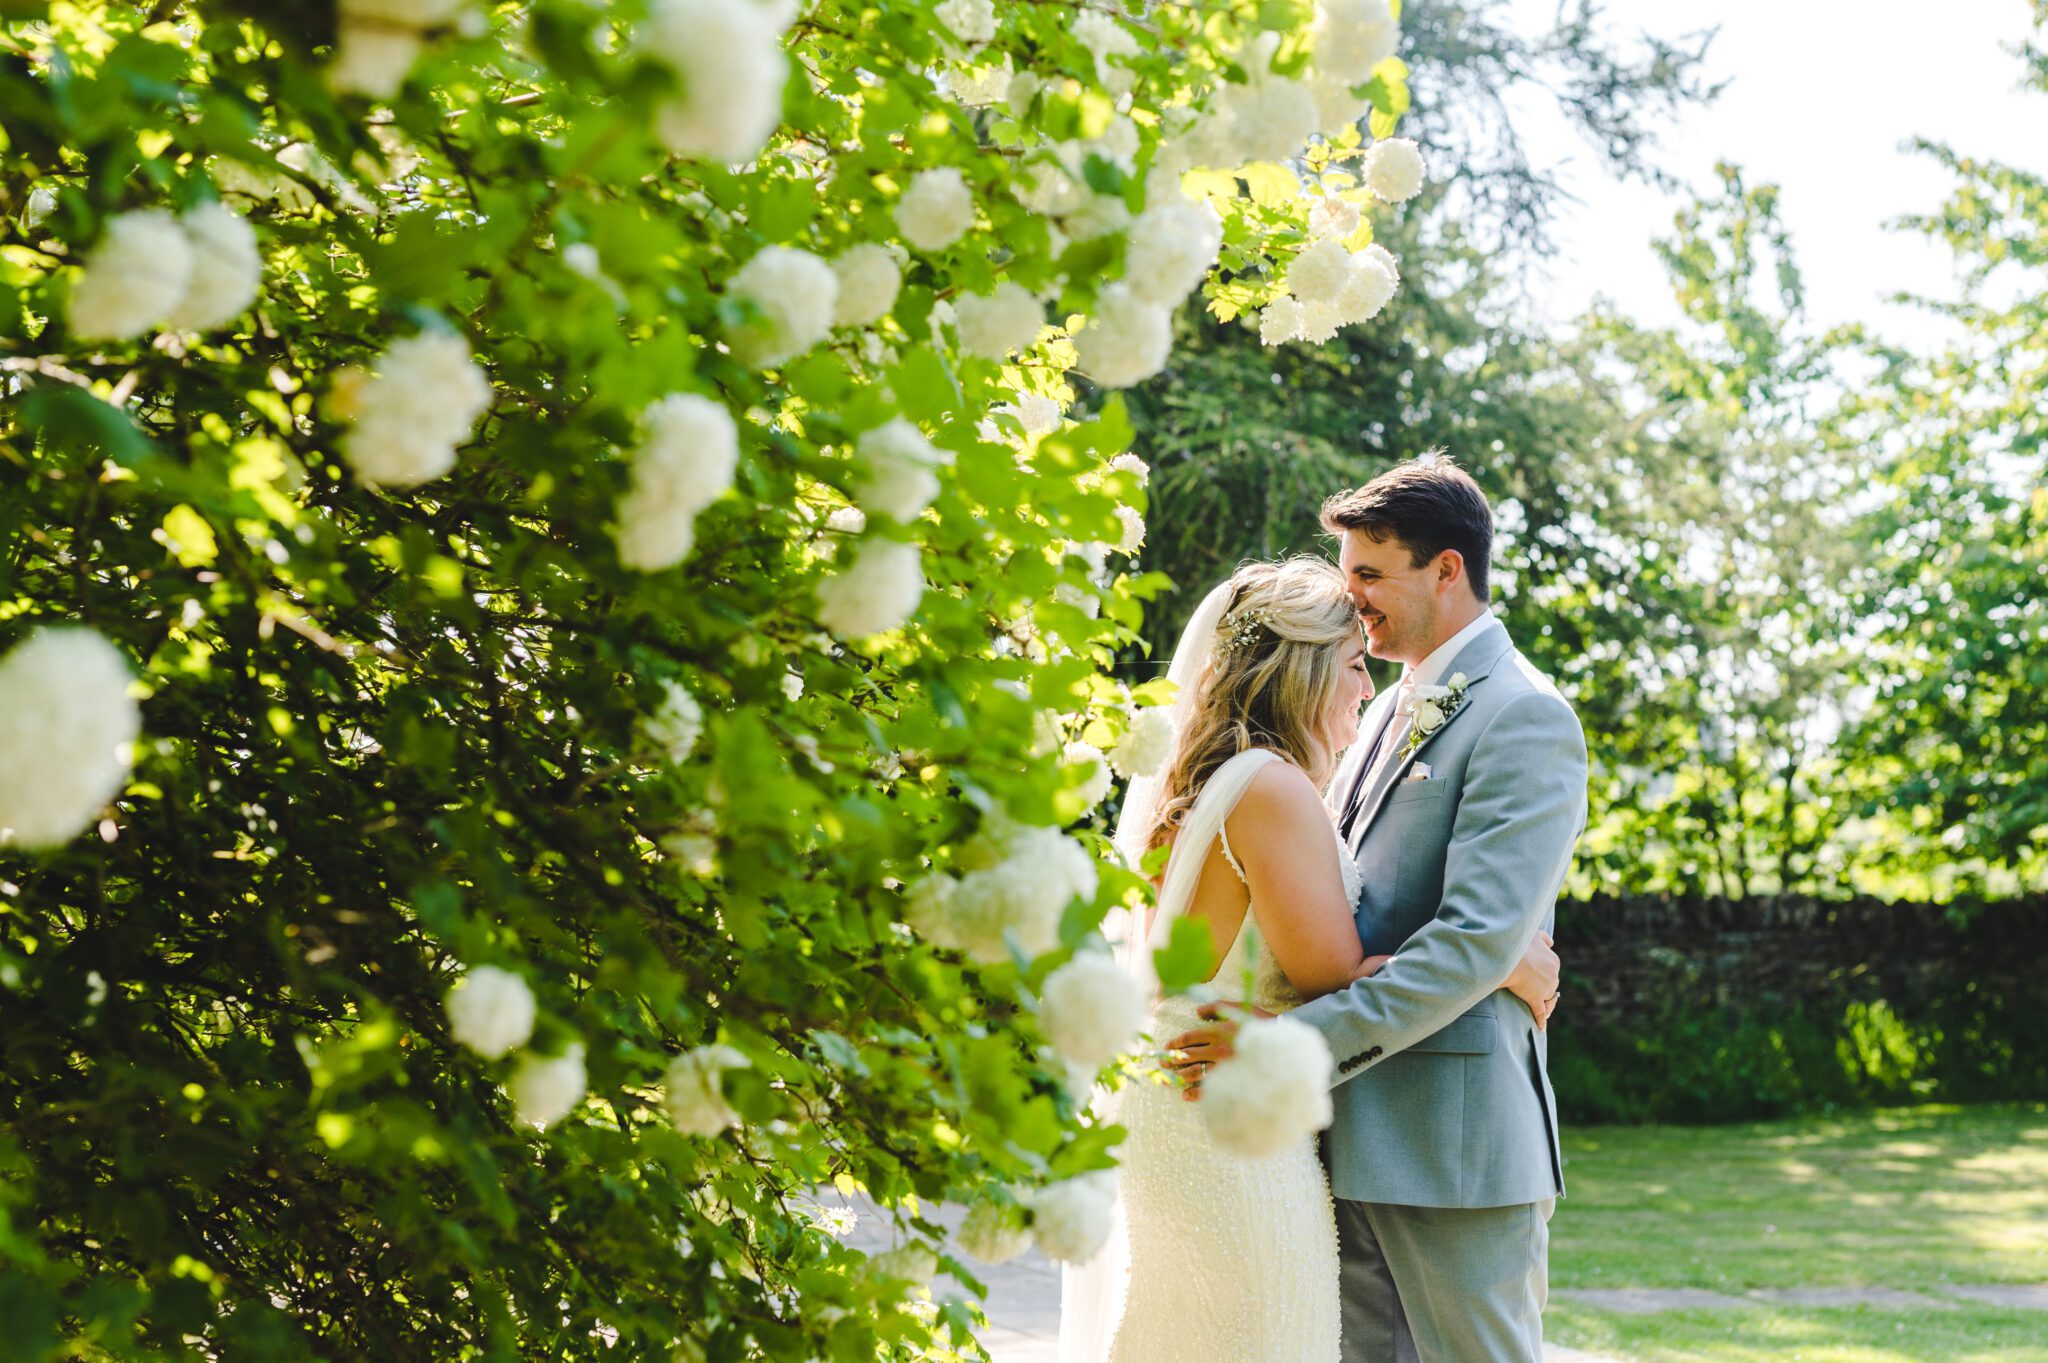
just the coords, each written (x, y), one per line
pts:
(1821, 95)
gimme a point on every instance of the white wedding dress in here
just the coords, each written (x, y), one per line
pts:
(1222, 1259)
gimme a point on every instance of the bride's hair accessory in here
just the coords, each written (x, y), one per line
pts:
(1240, 628)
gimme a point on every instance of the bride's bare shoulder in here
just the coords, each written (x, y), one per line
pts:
(1278, 798)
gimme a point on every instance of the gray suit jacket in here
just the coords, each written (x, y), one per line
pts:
(1443, 1099)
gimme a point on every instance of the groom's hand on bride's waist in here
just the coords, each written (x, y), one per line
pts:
(1189, 1055)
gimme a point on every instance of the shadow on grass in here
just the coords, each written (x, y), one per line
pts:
(1908, 1198)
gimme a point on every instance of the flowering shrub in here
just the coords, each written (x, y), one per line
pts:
(560, 565)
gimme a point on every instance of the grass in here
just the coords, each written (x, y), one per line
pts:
(1911, 1198)
(1779, 1335)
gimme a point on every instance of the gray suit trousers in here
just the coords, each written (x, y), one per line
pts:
(1443, 1284)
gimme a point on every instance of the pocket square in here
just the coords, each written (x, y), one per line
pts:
(1418, 772)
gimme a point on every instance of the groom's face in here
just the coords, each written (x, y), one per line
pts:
(1397, 601)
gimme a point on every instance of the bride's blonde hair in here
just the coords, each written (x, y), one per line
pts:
(1273, 669)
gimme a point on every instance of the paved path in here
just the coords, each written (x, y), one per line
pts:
(1024, 1316)
(1023, 1303)
(1643, 1301)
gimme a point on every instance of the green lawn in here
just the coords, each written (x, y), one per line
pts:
(1911, 1198)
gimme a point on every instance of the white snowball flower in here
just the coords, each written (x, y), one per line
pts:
(490, 1010)
(936, 210)
(928, 907)
(133, 278)
(1146, 745)
(1172, 246)
(728, 58)
(1024, 87)
(1043, 871)
(1393, 169)
(696, 853)
(982, 87)
(684, 463)
(1273, 119)
(796, 295)
(1020, 879)
(67, 733)
(792, 686)
(973, 22)
(1280, 321)
(1078, 754)
(423, 401)
(1331, 216)
(1096, 215)
(975, 906)
(546, 1088)
(1369, 288)
(698, 439)
(1386, 259)
(1133, 537)
(1133, 465)
(373, 58)
(1070, 1219)
(1038, 415)
(377, 42)
(1351, 37)
(1106, 38)
(1087, 602)
(869, 279)
(1319, 321)
(1049, 182)
(897, 479)
(1091, 1009)
(1273, 1093)
(227, 268)
(1319, 273)
(877, 591)
(677, 723)
(993, 1232)
(847, 520)
(1126, 340)
(693, 1092)
(1117, 144)
(1337, 109)
(913, 1263)
(1007, 320)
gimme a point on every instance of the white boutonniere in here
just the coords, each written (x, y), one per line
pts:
(1434, 706)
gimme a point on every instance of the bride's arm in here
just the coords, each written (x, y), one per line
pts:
(1280, 832)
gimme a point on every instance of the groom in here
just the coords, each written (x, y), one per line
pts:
(1461, 802)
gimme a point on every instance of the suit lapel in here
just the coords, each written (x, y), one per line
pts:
(1358, 760)
(1477, 661)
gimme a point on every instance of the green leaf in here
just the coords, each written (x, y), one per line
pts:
(1270, 184)
(423, 260)
(188, 536)
(1188, 958)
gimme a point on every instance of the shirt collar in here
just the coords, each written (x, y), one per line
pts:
(1431, 670)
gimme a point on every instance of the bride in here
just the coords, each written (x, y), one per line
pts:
(1216, 1257)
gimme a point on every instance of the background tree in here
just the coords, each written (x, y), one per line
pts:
(1953, 738)
(1724, 653)
(1247, 440)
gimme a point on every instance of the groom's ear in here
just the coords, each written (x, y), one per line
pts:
(1450, 569)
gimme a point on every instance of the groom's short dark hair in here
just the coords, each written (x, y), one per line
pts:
(1428, 504)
